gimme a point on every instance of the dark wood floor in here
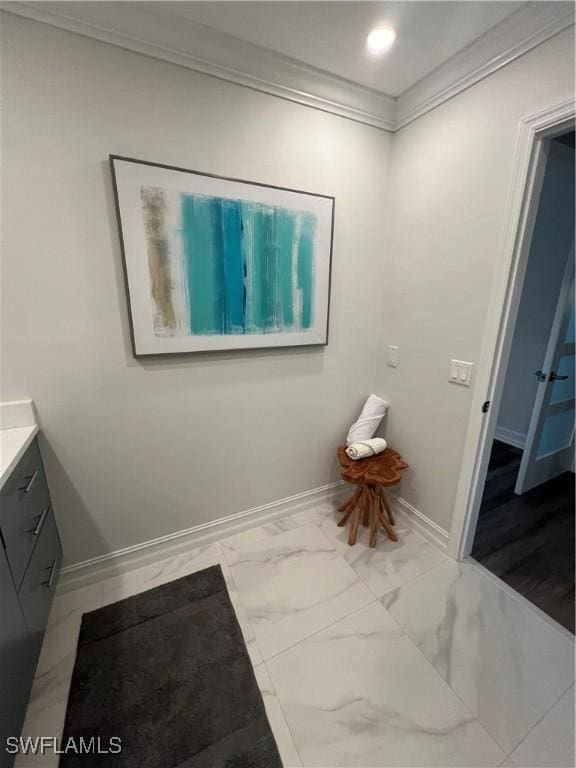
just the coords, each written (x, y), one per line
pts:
(528, 540)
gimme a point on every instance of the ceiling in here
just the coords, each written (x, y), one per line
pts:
(331, 35)
(313, 53)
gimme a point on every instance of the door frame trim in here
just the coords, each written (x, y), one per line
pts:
(521, 207)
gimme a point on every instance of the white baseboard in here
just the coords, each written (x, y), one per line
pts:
(510, 437)
(427, 528)
(96, 569)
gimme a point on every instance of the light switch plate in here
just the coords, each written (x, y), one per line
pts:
(393, 356)
(460, 372)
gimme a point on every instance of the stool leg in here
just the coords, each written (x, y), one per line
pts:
(374, 529)
(388, 508)
(350, 500)
(344, 519)
(348, 506)
(367, 505)
(357, 512)
(385, 524)
(355, 525)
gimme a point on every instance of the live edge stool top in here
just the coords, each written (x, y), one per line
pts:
(368, 504)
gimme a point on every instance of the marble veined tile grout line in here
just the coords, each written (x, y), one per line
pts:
(317, 523)
(282, 709)
(408, 581)
(378, 598)
(474, 715)
(302, 640)
(501, 586)
(519, 598)
(408, 523)
(221, 556)
(398, 586)
(523, 739)
(477, 717)
(313, 634)
(239, 597)
(265, 661)
(346, 563)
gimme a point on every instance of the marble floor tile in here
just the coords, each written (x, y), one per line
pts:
(63, 627)
(47, 707)
(78, 600)
(48, 700)
(48, 721)
(326, 509)
(284, 741)
(150, 576)
(389, 564)
(51, 684)
(183, 564)
(292, 585)
(503, 660)
(343, 684)
(359, 693)
(240, 611)
(550, 744)
(246, 538)
(49, 696)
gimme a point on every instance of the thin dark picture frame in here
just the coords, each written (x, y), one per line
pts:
(153, 355)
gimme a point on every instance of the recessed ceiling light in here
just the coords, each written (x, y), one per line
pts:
(380, 40)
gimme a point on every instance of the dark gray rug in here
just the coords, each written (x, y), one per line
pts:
(167, 672)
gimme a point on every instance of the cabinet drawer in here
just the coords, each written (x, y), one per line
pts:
(24, 504)
(39, 582)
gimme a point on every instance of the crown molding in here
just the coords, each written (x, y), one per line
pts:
(152, 32)
(515, 36)
(164, 36)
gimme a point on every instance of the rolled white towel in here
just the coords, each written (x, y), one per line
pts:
(368, 421)
(366, 448)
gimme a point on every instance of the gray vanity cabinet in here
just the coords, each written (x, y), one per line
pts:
(18, 652)
(30, 560)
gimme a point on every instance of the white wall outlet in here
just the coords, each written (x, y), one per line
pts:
(393, 356)
(460, 372)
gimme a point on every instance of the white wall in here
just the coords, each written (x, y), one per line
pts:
(551, 242)
(135, 450)
(130, 446)
(449, 181)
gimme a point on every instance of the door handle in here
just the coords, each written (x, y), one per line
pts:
(541, 375)
(36, 530)
(555, 377)
(28, 487)
(50, 581)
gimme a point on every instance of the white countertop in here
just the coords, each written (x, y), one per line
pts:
(13, 444)
(18, 428)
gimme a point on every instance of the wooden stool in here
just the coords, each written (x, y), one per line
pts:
(370, 475)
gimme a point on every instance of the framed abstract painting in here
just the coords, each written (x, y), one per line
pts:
(213, 263)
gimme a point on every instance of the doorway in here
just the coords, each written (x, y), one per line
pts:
(525, 525)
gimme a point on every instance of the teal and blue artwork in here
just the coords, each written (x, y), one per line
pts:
(215, 263)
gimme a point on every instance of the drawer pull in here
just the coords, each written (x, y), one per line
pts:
(31, 482)
(41, 518)
(48, 583)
